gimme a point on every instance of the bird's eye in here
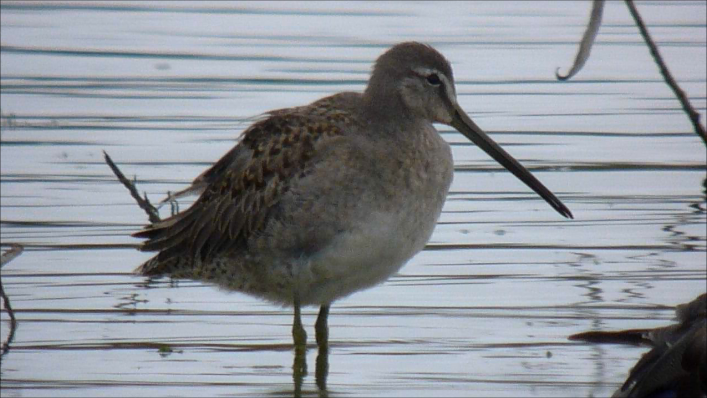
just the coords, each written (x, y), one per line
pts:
(433, 79)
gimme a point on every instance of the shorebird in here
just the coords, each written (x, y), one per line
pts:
(676, 365)
(319, 201)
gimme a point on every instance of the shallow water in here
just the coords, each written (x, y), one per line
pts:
(165, 88)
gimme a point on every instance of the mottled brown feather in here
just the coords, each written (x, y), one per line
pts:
(244, 186)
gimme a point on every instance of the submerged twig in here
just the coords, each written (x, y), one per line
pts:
(15, 250)
(684, 101)
(585, 46)
(144, 203)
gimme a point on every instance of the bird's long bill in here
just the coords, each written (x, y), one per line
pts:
(466, 126)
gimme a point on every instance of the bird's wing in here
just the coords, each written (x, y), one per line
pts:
(236, 204)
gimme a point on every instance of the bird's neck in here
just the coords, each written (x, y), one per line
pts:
(383, 106)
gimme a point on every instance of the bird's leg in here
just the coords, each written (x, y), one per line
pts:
(321, 327)
(298, 334)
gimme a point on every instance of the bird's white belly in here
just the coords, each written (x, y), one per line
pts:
(364, 257)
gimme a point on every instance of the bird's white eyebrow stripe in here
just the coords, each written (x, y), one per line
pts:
(427, 71)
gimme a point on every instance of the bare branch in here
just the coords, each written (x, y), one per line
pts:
(585, 46)
(144, 204)
(15, 250)
(684, 101)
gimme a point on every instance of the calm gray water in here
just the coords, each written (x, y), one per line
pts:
(165, 88)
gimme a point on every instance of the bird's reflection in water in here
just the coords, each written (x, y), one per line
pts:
(299, 368)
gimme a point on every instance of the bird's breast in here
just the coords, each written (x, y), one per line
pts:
(394, 229)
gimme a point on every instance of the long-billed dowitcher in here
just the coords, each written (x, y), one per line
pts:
(319, 201)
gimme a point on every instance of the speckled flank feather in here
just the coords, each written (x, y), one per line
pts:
(244, 186)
